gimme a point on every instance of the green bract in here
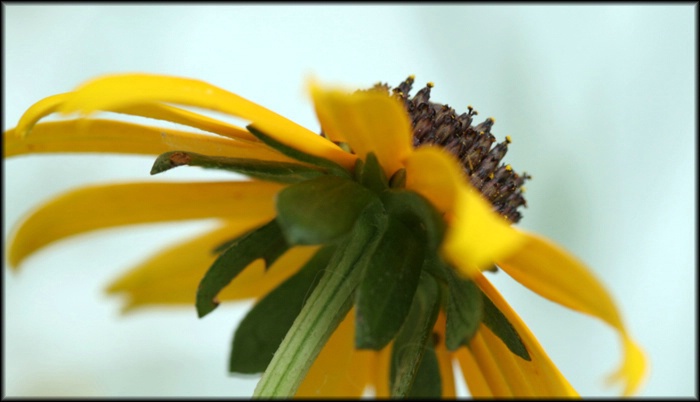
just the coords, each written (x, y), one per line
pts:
(381, 254)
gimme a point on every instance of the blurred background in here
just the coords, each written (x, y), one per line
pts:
(599, 101)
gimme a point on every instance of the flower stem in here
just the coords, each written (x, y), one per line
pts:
(325, 308)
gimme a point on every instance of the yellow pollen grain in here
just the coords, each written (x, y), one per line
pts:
(508, 140)
(412, 76)
(509, 168)
(491, 175)
(430, 84)
(522, 189)
(493, 119)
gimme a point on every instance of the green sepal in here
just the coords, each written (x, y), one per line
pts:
(261, 331)
(398, 179)
(320, 210)
(428, 383)
(388, 286)
(416, 211)
(370, 174)
(266, 242)
(497, 322)
(294, 153)
(464, 311)
(412, 340)
(281, 172)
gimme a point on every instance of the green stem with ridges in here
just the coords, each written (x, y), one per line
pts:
(326, 307)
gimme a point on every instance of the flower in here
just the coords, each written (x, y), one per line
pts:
(387, 201)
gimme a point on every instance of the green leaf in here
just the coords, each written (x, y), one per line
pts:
(260, 333)
(428, 383)
(371, 175)
(390, 280)
(464, 311)
(321, 210)
(398, 179)
(293, 153)
(416, 211)
(502, 328)
(412, 340)
(266, 242)
(281, 172)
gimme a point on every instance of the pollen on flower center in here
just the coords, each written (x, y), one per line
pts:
(439, 124)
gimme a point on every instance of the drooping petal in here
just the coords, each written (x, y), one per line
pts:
(496, 379)
(554, 274)
(96, 135)
(473, 376)
(185, 117)
(172, 276)
(476, 235)
(340, 370)
(158, 111)
(97, 207)
(369, 122)
(127, 90)
(491, 369)
(38, 111)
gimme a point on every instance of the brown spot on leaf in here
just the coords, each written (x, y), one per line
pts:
(179, 159)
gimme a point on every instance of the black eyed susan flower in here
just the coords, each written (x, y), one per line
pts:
(364, 248)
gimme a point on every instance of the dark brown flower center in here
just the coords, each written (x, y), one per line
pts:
(438, 124)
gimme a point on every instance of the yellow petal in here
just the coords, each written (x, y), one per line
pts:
(633, 369)
(476, 236)
(368, 122)
(127, 90)
(53, 103)
(172, 276)
(432, 173)
(554, 274)
(501, 372)
(88, 135)
(340, 370)
(185, 117)
(39, 110)
(104, 206)
(496, 379)
(473, 376)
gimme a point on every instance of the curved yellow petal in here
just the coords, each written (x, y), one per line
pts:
(496, 379)
(368, 121)
(127, 90)
(38, 111)
(502, 372)
(340, 370)
(431, 173)
(173, 114)
(473, 376)
(185, 117)
(172, 276)
(476, 236)
(104, 206)
(96, 135)
(633, 369)
(554, 274)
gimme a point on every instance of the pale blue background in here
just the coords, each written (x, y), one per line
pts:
(599, 102)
